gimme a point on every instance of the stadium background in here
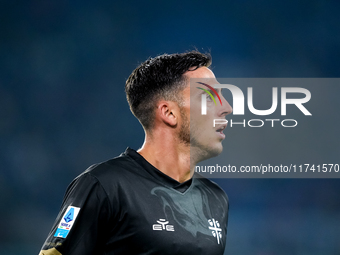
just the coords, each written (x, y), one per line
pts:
(63, 65)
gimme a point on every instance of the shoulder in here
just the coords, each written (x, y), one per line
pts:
(112, 167)
(110, 174)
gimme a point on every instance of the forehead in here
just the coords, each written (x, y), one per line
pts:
(202, 73)
(194, 78)
(199, 76)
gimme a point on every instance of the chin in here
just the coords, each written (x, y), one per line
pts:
(217, 150)
(209, 152)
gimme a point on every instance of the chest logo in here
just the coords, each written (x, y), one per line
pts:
(163, 225)
(214, 225)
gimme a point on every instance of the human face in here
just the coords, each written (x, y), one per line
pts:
(205, 139)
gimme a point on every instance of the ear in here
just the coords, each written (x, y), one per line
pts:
(168, 112)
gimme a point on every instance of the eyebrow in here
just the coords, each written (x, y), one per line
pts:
(202, 90)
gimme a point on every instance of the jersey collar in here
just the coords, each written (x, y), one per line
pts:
(160, 176)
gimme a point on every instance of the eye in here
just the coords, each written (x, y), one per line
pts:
(208, 97)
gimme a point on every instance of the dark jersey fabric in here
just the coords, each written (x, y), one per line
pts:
(127, 206)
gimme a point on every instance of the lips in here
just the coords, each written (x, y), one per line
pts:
(221, 128)
(219, 131)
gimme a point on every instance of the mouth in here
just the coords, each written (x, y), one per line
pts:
(221, 128)
(219, 131)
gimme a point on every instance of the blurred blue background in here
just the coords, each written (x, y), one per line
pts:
(63, 66)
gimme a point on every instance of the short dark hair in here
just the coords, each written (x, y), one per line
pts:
(160, 78)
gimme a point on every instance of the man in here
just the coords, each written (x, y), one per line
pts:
(150, 201)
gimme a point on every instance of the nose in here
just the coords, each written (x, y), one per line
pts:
(225, 108)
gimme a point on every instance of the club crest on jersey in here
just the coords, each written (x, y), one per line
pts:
(163, 225)
(67, 221)
(214, 225)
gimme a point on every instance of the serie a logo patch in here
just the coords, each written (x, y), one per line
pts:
(67, 221)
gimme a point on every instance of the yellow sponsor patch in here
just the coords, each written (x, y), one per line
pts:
(52, 251)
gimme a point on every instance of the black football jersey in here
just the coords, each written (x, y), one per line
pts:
(127, 206)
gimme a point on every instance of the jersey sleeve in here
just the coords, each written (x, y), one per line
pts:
(81, 226)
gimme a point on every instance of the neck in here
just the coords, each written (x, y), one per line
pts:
(167, 154)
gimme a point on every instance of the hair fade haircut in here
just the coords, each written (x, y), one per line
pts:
(160, 78)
